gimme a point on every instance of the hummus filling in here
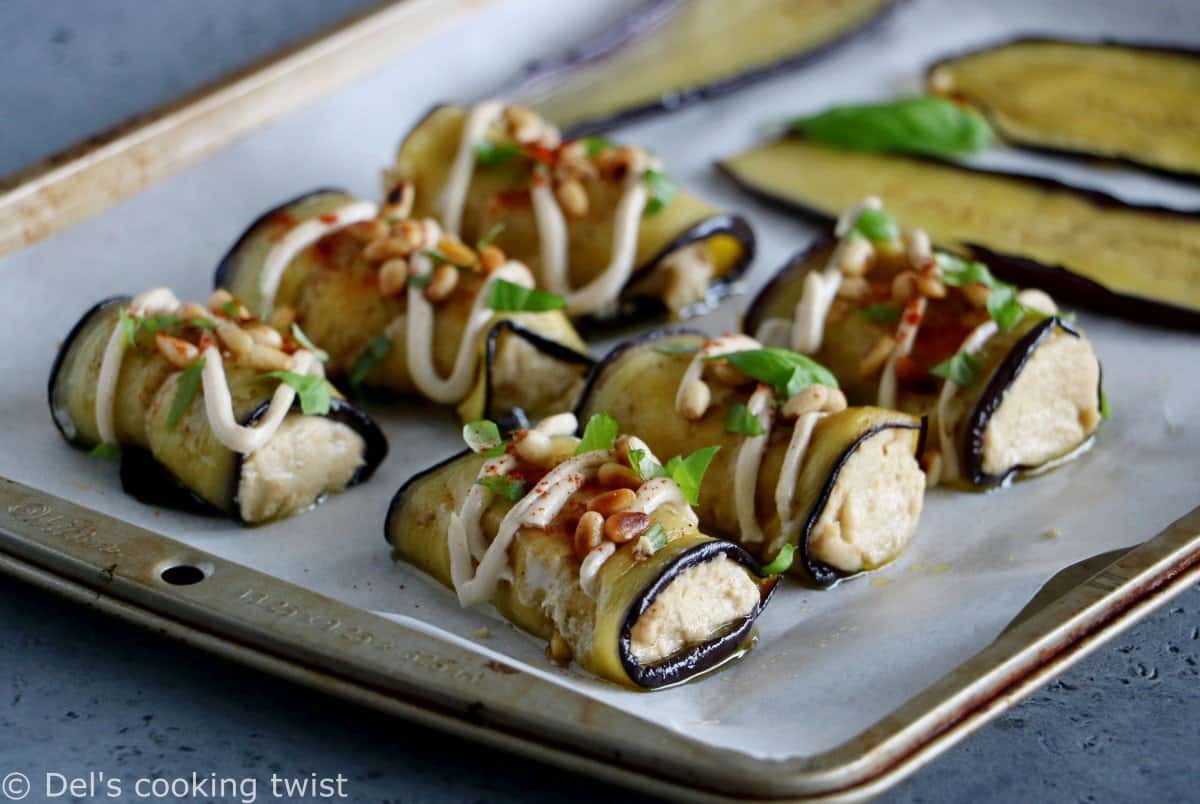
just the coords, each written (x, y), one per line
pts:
(874, 506)
(517, 372)
(308, 457)
(693, 608)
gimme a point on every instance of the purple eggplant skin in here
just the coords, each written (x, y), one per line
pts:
(509, 419)
(1056, 280)
(1153, 47)
(643, 22)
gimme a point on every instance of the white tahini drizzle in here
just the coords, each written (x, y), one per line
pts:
(749, 463)
(454, 195)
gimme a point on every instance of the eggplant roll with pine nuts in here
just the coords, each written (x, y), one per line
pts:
(208, 409)
(600, 224)
(1010, 386)
(401, 307)
(842, 486)
(569, 543)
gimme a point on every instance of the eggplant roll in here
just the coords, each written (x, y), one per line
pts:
(194, 400)
(599, 224)
(842, 485)
(1129, 102)
(1080, 245)
(667, 54)
(609, 570)
(1006, 393)
(350, 272)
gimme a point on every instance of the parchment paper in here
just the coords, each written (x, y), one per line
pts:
(828, 664)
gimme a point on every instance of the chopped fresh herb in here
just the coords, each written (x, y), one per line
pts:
(509, 297)
(645, 467)
(957, 272)
(314, 391)
(676, 348)
(600, 433)
(303, 340)
(595, 145)
(688, 472)
(1003, 307)
(782, 561)
(740, 420)
(109, 452)
(1105, 410)
(962, 369)
(492, 154)
(438, 258)
(510, 488)
(185, 392)
(931, 126)
(880, 313)
(419, 280)
(231, 308)
(490, 237)
(1002, 304)
(661, 190)
(655, 538)
(482, 435)
(788, 372)
(128, 328)
(133, 326)
(877, 226)
(377, 349)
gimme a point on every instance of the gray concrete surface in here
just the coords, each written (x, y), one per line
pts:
(81, 694)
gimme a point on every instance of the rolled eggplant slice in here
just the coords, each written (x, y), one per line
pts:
(1014, 223)
(1129, 102)
(171, 455)
(856, 490)
(669, 54)
(1034, 392)
(651, 611)
(348, 291)
(597, 223)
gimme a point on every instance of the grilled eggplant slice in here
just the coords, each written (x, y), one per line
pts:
(1129, 102)
(1035, 398)
(182, 463)
(859, 490)
(679, 255)
(648, 617)
(534, 361)
(668, 54)
(1138, 262)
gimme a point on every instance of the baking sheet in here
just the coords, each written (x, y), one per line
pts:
(836, 661)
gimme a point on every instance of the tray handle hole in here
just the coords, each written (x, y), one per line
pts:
(183, 575)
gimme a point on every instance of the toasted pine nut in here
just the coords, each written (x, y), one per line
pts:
(234, 339)
(393, 275)
(625, 526)
(1038, 300)
(977, 294)
(573, 198)
(399, 201)
(930, 286)
(612, 502)
(445, 280)
(853, 287)
(856, 256)
(879, 354)
(458, 253)
(588, 534)
(177, 351)
(622, 446)
(903, 286)
(726, 373)
(219, 298)
(815, 399)
(558, 651)
(266, 358)
(491, 258)
(264, 335)
(524, 125)
(941, 81)
(696, 396)
(283, 316)
(532, 447)
(367, 231)
(387, 248)
(192, 310)
(617, 475)
(920, 251)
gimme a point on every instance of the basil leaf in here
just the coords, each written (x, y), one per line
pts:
(129, 328)
(1105, 410)
(957, 272)
(438, 258)
(493, 154)
(490, 237)
(688, 472)
(786, 371)
(595, 145)
(185, 392)
(419, 280)
(303, 340)
(510, 488)
(231, 308)
(482, 436)
(377, 349)
(782, 561)
(655, 538)
(962, 369)
(600, 433)
(661, 190)
(314, 391)
(880, 313)
(509, 297)
(109, 452)
(1003, 307)
(740, 420)
(877, 226)
(930, 126)
(676, 348)
(645, 467)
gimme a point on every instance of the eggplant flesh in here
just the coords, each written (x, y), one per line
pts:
(860, 490)
(535, 362)
(668, 54)
(608, 633)
(686, 227)
(1135, 261)
(1122, 101)
(185, 466)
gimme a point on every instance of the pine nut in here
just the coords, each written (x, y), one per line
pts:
(879, 354)
(266, 358)
(696, 396)
(532, 447)
(234, 339)
(815, 399)
(726, 373)
(445, 280)
(920, 251)
(903, 286)
(977, 294)
(930, 287)
(1037, 300)
(262, 334)
(221, 298)
(367, 231)
(283, 316)
(856, 256)
(178, 352)
(524, 125)
(616, 475)
(612, 502)
(853, 287)
(491, 258)
(457, 253)
(191, 311)
(573, 198)
(558, 651)
(393, 276)
(588, 534)
(625, 526)
(387, 248)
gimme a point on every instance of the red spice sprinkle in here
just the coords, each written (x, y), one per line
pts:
(541, 154)
(329, 217)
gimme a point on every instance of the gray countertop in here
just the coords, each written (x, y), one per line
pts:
(82, 694)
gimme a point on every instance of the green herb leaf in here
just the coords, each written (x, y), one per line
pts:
(595, 145)
(377, 349)
(133, 326)
(930, 126)
(509, 297)
(438, 258)
(185, 392)
(880, 313)
(786, 371)
(600, 433)
(129, 329)
(1105, 410)
(957, 272)
(645, 467)
(689, 472)
(492, 154)
(656, 538)
(314, 391)
(231, 308)
(877, 226)
(419, 280)
(740, 420)
(490, 237)
(303, 340)
(661, 190)
(782, 561)
(482, 436)
(1003, 307)
(676, 348)
(962, 369)
(510, 488)
(109, 452)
